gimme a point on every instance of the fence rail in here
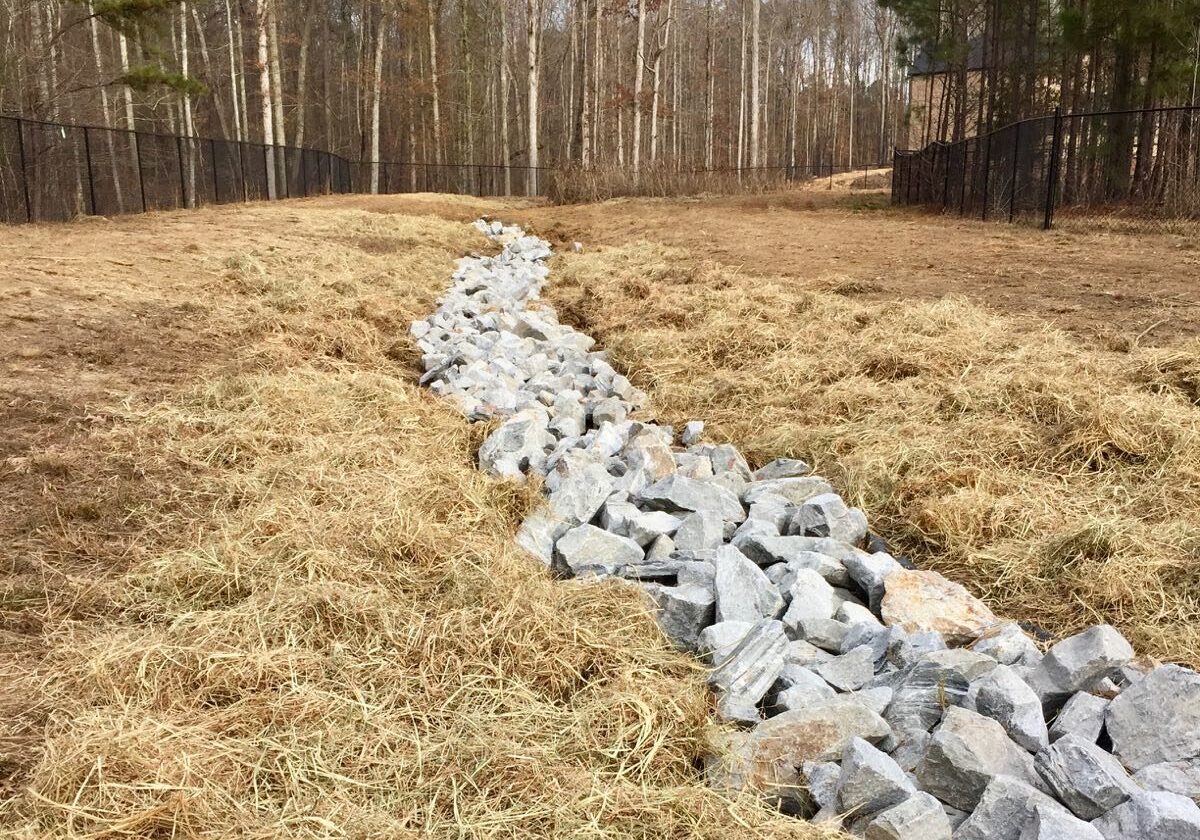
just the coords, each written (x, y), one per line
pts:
(54, 172)
(1141, 167)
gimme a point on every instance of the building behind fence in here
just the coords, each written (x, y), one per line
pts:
(54, 172)
(1141, 167)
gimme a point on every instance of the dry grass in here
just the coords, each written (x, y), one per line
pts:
(315, 623)
(1058, 481)
(575, 185)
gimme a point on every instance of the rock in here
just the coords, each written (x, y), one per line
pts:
(821, 780)
(966, 752)
(519, 445)
(684, 611)
(1079, 663)
(849, 671)
(1005, 698)
(827, 515)
(1008, 645)
(1083, 716)
(660, 550)
(802, 653)
(1084, 777)
(810, 596)
(905, 650)
(749, 671)
(700, 531)
(875, 699)
(588, 551)
(1157, 719)
(920, 817)
(938, 680)
(1005, 807)
(609, 410)
(1051, 824)
(1182, 777)
(693, 465)
(922, 600)
(782, 468)
(796, 490)
(678, 493)
(870, 571)
(743, 592)
(693, 430)
(856, 614)
(825, 633)
(797, 552)
(717, 642)
(804, 689)
(775, 511)
(1152, 816)
(777, 747)
(870, 781)
(910, 748)
(726, 459)
(580, 489)
(624, 519)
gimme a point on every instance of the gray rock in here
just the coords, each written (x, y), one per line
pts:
(693, 430)
(677, 493)
(782, 468)
(568, 417)
(744, 593)
(1157, 719)
(774, 511)
(1182, 777)
(520, 444)
(827, 515)
(825, 633)
(684, 611)
(660, 550)
(852, 613)
(717, 642)
(588, 551)
(938, 680)
(1152, 816)
(749, 672)
(966, 752)
(803, 653)
(870, 571)
(699, 531)
(1084, 777)
(875, 636)
(1003, 696)
(625, 519)
(693, 465)
(796, 490)
(821, 779)
(870, 781)
(849, 671)
(910, 748)
(1079, 663)
(1051, 824)
(804, 689)
(1009, 645)
(809, 596)
(920, 817)
(726, 459)
(580, 487)
(906, 649)
(1082, 716)
(1005, 807)
(875, 699)
(609, 410)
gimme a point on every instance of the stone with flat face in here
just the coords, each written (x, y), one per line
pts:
(870, 781)
(1084, 777)
(1050, 824)
(920, 817)
(744, 592)
(827, 515)
(1006, 698)
(588, 551)
(749, 671)
(1152, 816)
(1006, 806)
(922, 600)
(782, 468)
(1082, 716)
(683, 611)
(1157, 719)
(677, 493)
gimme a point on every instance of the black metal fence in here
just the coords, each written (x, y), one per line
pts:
(1140, 169)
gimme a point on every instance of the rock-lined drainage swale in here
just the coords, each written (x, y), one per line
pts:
(881, 697)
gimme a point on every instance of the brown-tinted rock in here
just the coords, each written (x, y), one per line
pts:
(923, 600)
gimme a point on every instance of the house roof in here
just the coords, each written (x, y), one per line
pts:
(926, 65)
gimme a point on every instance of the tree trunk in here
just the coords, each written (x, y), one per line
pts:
(639, 66)
(376, 86)
(585, 96)
(505, 141)
(233, 73)
(108, 135)
(657, 84)
(264, 90)
(755, 146)
(533, 25)
(434, 10)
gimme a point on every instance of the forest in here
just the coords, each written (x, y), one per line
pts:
(706, 84)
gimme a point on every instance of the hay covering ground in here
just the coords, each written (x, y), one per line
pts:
(320, 626)
(1059, 482)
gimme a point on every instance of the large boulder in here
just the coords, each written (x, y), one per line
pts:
(1157, 719)
(1079, 663)
(923, 600)
(677, 493)
(870, 780)
(1005, 807)
(1084, 777)
(967, 751)
(588, 551)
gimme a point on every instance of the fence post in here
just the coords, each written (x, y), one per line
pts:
(287, 188)
(987, 174)
(268, 175)
(182, 178)
(137, 147)
(946, 180)
(242, 168)
(212, 153)
(303, 175)
(1012, 202)
(962, 191)
(87, 156)
(24, 171)
(1052, 175)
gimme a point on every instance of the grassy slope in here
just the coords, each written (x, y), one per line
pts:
(1059, 482)
(313, 623)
